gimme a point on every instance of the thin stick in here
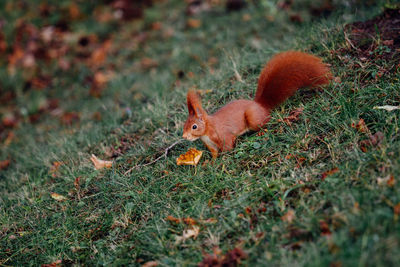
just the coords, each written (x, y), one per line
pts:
(154, 161)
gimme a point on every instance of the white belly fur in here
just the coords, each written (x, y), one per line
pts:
(206, 140)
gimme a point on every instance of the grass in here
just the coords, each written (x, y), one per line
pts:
(314, 168)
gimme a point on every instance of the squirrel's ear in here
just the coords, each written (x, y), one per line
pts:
(194, 104)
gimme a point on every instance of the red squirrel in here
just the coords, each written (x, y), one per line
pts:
(281, 77)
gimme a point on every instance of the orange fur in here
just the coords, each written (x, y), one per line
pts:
(281, 77)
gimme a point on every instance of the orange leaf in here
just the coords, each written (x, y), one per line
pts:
(54, 168)
(4, 164)
(193, 23)
(396, 209)
(189, 221)
(57, 263)
(99, 163)
(360, 126)
(173, 219)
(330, 172)
(191, 157)
(289, 216)
(150, 264)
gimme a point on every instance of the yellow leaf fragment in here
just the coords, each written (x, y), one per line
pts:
(188, 233)
(99, 163)
(191, 157)
(58, 197)
(150, 264)
(289, 216)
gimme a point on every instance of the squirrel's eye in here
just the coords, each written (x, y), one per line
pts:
(194, 127)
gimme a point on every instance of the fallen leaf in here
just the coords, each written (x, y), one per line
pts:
(396, 209)
(382, 181)
(324, 227)
(150, 264)
(54, 168)
(360, 126)
(373, 141)
(231, 258)
(4, 164)
(330, 172)
(387, 107)
(57, 263)
(191, 157)
(173, 219)
(148, 63)
(293, 116)
(189, 221)
(193, 23)
(188, 233)
(289, 216)
(58, 197)
(99, 163)
(67, 118)
(100, 54)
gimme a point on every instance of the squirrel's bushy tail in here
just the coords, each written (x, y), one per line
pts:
(285, 73)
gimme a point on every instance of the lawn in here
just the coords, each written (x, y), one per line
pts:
(319, 187)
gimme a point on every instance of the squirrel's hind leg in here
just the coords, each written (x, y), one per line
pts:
(256, 117)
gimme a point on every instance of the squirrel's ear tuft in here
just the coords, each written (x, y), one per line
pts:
(194, 104)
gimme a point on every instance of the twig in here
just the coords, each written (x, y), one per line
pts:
(154, 161)
(237, 75)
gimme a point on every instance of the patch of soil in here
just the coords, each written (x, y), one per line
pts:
(377, 38)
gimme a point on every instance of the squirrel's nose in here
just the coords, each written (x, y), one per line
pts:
(184, 135)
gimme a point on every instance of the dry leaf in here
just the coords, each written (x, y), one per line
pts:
(289, 216)
(330, 172)
(387, 107)
(58, 197)
(396, 209)
(150, 264)
(188, 233)
(373, 141)
(4, 164)
(191, 157)
(54, 168)
(360, 126)
(173, 219)
(293, 116)
(57, 263)
(100, 164)
(193, 23)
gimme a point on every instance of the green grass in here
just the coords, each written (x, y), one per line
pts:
(113, 218)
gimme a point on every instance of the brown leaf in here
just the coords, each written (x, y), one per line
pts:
(324, 227)
(360, 126)
(100, 54)
(148, 63)
(173, 219)
(193, 23)
(396, 209)
(373, 141)
(231, 258)
(189, 221)
(57, 263)
(293, 116)
(150, 264)
(54, 168)
(4, 164)
(191, 157)
(188, 233)
(330, 172)
(68, 118)
(99, 163)
(289, 216)
(58, 197)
